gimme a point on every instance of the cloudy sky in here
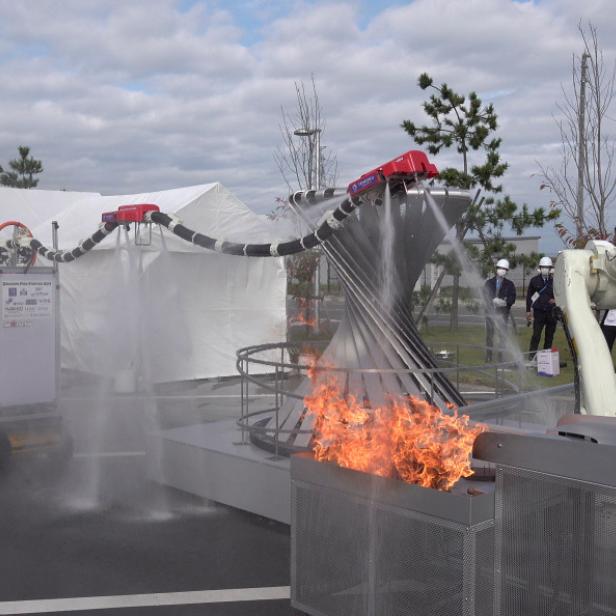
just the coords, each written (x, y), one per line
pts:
(120, 96)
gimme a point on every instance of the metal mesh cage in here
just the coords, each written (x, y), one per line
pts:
(555, 545)
(331, 556)
(356, 556)
(427, 566)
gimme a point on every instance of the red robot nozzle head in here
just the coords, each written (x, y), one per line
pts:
(126, 214)
(410, 166)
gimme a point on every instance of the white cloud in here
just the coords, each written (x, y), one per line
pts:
(123, 97)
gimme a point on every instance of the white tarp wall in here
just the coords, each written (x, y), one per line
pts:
(169, 311)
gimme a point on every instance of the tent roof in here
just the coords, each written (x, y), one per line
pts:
(34, 207)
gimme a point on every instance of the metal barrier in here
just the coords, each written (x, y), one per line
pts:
(555, 524)
(371, 546)
(496, 396)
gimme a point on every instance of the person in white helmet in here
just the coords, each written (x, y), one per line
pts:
(540, 307)
(500, 295)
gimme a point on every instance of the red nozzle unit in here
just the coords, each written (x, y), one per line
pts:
(126, 214)
(407, 166)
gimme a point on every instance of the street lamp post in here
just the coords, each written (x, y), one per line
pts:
(317, 152)
(314, 148)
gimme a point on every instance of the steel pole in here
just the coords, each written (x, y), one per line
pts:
(317, 273)
(581, 162)
(317, 294)
(58, 357)
(317, 149)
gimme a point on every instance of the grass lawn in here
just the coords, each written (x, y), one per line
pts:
(467, 336)
(468, 342)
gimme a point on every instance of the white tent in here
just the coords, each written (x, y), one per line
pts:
(168, 311)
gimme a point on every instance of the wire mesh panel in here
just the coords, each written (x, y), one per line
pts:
(482, 599)
(330, 567)
(355, 555)
(427, 566)
(555, 545)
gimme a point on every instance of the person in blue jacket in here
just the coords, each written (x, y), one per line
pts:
(540, 307)
(500, 295)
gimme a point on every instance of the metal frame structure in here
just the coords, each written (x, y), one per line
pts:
(377, 350)
(366, 545)
(555, 522)
(270, 429)
(378, 255)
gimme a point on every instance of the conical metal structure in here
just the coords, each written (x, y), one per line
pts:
(379, 255)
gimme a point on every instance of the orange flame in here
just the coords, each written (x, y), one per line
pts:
(303, 310)
(407, 438)
(313, 357)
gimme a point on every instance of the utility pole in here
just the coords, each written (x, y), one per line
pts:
(581, 162)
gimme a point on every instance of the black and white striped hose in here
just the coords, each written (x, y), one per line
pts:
(316, 196)
(64, 256)
(330, 223)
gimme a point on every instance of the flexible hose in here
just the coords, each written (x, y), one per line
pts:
(332, 222)
(65, 256)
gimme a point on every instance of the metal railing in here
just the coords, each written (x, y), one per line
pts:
(279, 367)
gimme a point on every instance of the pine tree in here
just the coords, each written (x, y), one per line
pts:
(465, 124)
(23, 171)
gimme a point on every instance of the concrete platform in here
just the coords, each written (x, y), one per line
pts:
(209, 460)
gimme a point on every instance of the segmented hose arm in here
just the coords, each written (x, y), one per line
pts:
(332, 222)
(64, 256)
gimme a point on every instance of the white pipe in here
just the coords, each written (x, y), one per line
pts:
(582, 277)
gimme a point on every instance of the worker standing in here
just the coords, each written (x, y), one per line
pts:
(608, 327)
(540, 307)
(500, 295)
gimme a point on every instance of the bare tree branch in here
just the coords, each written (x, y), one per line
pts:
(599, 146)
(295, 157)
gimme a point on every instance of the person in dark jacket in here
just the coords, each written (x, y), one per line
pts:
(608, 327)
(540, 307)
(500, 295)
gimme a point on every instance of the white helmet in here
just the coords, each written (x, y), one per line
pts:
(545, 262)
(502, 263)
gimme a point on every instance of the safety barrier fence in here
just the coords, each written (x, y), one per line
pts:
(495, 392)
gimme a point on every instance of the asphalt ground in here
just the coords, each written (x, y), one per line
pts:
(101, 535)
